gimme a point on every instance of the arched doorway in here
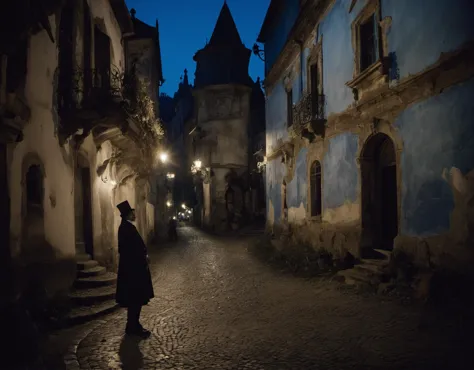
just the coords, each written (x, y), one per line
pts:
(83, 206)
(33, 235)
(379, 193)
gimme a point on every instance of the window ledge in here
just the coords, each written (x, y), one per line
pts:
(315, 218)
(370, 73)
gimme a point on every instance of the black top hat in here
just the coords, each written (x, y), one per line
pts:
(124, 208)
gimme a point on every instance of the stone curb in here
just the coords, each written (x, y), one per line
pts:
(70, 359)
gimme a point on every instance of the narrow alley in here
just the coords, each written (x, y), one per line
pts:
(217, 308)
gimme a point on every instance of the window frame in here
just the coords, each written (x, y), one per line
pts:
(372, 9)
(314, 174)
(289, 107)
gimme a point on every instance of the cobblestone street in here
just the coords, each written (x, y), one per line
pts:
(216, 307)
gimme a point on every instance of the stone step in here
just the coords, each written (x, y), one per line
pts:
(93, 271)
(386, 254)
(84, 313)
(84, 265)
(91, 296)
(81, 257)
(356, 277)
(109, 278)
(375, 262)
(370, 268)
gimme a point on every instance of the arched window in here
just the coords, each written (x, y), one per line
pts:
(315, 186)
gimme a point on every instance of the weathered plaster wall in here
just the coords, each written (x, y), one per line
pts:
(340, 181)
(296, 190)
(279, 33)
(102, 13)
(438, 137)
(422, 30)
(230, 133)
(275, 171)
(40, 142)
(276, 126)
(434, 136)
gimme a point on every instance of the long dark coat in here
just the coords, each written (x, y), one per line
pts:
(134, 286)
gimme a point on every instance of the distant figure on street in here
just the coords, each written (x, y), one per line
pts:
(134, 286)
(172, 232)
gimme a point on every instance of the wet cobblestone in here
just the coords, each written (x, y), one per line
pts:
(216, 307)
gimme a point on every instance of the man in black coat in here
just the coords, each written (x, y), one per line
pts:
(134, 285)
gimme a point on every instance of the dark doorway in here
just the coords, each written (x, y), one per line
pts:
(87, 211)
(379, 193)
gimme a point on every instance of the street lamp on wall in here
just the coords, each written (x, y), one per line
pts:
(196, 166)
(170, 175)
(163, 157)
(258, 52)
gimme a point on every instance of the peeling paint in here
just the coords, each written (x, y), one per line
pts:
(297, 215)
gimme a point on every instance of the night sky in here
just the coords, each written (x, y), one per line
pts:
(185, 25)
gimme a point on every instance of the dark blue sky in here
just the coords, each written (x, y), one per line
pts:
(185, 25)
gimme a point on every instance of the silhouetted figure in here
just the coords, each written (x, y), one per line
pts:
(172, 232)
(134, 286)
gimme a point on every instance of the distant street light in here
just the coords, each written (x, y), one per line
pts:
(198, 164)
(168, 204)
(170, 175)
(163, 157)
(183, 206)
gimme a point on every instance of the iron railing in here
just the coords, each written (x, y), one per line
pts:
(87, 88)
(310, 108)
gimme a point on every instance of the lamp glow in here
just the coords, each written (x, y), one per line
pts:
(168, 204)
(183, 206)
(163, 157)
(198, 164)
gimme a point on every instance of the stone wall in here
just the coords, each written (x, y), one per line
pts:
(44, 236)
(223, 115)
(421, 105)
(55, 244)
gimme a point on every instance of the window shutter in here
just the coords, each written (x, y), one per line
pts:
(376, 37)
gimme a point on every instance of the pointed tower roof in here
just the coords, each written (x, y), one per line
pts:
(225, 32)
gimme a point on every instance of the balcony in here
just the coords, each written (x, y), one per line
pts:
(91, 97)
(309, 116)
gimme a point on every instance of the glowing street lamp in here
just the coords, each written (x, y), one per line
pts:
(197, 164)
(170, 175)
(168, 204)
(183, 206)
(163, 157)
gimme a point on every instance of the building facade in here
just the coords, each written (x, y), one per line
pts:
(225, 98)
(78, 137)
(369, 126)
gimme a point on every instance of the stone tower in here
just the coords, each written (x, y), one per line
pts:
(222, 96)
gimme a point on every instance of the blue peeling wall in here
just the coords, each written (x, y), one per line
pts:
(274, 173)
(340, 172)
(296, 189)
(437, 134)
(423, 29)
(338, 61)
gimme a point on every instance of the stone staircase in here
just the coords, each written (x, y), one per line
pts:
(94, 291)
(370, 272)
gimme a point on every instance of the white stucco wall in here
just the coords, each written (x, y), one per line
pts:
(102, 11)
(39, 138)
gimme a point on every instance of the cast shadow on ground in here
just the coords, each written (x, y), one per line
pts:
(130, 354)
